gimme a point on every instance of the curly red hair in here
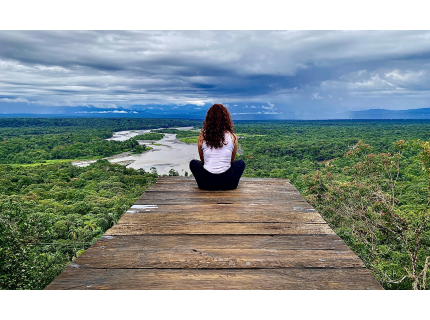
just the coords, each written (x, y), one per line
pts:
(216, 124)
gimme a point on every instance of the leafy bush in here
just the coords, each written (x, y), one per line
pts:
(49, 214)
(380, 210)
(149, 136)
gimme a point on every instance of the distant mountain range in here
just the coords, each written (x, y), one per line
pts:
(423, 113)
(199, 113)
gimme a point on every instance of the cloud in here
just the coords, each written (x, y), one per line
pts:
(15, 100)
(119, 69)
(104, 111)
(270, 107)
(315, 96)
(197, 103)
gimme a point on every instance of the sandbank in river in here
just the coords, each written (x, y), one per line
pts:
(171, 154)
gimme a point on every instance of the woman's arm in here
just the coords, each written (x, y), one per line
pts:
(199, 147)
(233, 154)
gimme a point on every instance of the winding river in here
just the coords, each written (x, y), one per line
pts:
(169, 154)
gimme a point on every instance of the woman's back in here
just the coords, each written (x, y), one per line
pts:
(217, 146)
(218, 160)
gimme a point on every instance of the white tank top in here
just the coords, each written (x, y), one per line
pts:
(218, 160)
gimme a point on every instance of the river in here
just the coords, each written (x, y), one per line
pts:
(170, 154)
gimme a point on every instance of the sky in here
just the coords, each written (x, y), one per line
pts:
(272, 74)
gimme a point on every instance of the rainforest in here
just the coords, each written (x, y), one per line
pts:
(368, 179)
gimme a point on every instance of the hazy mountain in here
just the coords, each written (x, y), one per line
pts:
(423, 113)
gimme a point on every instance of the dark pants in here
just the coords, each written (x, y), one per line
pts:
(227, 180)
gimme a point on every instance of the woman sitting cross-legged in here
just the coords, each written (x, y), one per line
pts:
(217, 147)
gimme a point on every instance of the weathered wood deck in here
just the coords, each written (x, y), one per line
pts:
(263, 235)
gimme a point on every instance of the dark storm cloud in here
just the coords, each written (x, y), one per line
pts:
(299, 71)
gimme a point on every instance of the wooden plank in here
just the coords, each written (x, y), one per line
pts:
(262, 235)
(221, 194)
(243, 187)
(219, 228)
(218, 279)
(242, 179)
(189, 242)
(220, 215)
(219, 258)
(268, 209)
(194, 189)
(218, 200)
(296, 207)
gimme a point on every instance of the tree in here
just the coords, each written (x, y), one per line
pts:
(366, 202)
(173, 172)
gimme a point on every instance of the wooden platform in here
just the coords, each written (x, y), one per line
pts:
(263, 235)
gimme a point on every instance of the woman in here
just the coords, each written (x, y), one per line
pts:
(217, 147)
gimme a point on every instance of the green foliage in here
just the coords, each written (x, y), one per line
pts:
(187, 136)
(180, 133)
(173, 173)
(187, 133)
(50, 213)
(190, 140)
(26, 141)
(113, 124)
(149, 136)
(311, 155)
(380, 209)
(290, 149)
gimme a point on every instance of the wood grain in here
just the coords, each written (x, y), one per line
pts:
(161, 216)
(188, 242)
(219, 228)
(262, 235)
(224, 279)
(174, 258)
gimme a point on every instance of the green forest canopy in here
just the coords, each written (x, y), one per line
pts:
(51, 211)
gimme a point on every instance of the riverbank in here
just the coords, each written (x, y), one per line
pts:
(167, 153)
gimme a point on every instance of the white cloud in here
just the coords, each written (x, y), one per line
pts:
(104, 105)
(16, 100)
(270, 107)
(111, 69)
(197, 102)
(105, 111)
(315, 96)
